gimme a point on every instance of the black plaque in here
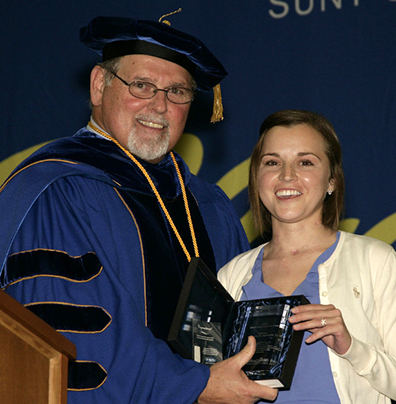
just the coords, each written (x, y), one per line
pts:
(207, 342)
(204, 300)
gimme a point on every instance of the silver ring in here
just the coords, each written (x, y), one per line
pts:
(323, 322)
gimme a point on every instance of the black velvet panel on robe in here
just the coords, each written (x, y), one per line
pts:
(165, 262)
(42, 262)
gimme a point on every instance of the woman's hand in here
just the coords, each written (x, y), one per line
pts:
(325, 322)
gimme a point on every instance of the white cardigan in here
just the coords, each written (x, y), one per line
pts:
(359, 278)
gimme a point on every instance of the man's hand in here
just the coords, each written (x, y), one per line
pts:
(228, 384)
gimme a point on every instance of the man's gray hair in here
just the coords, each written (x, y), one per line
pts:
(111, 65)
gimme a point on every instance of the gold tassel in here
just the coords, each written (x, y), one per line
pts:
(217, 105)
(217, 115)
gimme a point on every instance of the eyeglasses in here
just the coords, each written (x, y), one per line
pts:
(146, 90)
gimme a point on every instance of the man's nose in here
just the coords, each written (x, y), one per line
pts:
(159, 103)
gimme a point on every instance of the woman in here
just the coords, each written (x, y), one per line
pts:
(296, 191)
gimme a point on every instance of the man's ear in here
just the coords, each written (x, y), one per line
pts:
(97, 85)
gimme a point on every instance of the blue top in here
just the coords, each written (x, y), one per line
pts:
(312, 381)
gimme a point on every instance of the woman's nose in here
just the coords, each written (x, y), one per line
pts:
(288, 173)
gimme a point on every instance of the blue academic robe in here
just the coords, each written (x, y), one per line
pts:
(85, 246)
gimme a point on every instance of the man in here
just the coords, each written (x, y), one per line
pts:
(106, 222)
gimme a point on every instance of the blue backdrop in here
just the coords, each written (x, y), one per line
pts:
(336, 57)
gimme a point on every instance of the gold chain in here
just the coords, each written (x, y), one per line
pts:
(158, 196)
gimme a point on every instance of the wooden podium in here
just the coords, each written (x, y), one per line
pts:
(33, 357)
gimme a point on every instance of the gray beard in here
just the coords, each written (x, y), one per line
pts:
(149, 149)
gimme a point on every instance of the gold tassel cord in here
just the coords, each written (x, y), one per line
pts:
(187, 208)
(167, 15)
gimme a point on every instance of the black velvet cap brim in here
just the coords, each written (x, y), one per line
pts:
(118, 36)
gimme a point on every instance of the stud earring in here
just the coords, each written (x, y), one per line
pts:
(329, 191)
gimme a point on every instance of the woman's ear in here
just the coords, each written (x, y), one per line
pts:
(97, 85)
(331, 187)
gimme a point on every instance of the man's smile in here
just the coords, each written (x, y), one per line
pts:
(151, 124)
